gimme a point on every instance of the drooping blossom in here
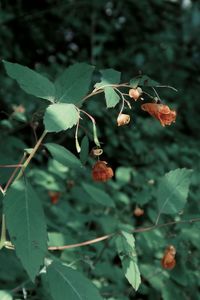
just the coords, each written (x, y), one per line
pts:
(101, 172)
(161, 112)
(168, 261)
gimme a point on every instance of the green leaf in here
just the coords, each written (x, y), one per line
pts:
(98, 195)
(64, 282)
(125, 243)
(26, 226)
(74, 83)
(5, 295)
(134, 82)
(109, 76)
(112, 98)
(60, 117)
(173, 191)
(147, 81)
(84, 150)
(63, 156)
(30, 81)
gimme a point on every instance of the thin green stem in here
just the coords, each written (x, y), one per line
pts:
(34, 150)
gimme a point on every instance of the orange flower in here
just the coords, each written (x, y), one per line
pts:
(162, 112)
(168, 261)
(101, 172)
(54, 196)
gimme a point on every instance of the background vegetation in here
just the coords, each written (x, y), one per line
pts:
(158, 38)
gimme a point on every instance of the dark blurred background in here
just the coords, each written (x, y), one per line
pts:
(159, 38)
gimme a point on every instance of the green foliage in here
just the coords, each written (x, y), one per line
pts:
(173, 191)
(98, 195)
(125, 243)
(66, 281)
(62, 155)
(30, 81)
(105, 34)
(74, 83)
(28, 229)
(60, 117)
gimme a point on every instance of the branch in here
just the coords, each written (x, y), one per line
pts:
(108, 236)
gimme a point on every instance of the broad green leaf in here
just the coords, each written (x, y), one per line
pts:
(108, 76)
(67, 283)
(26, 226)
(60, 117)
(5, 295)
(173, 191)
(84, 150)
(63, 156)
(112, 98)
(125, 243)
(30, 81)
(98, 195)
(74, 83)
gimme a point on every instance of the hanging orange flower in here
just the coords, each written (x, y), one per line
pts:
(101, 172)
(54, 196)
(168, 261)
(162, 112)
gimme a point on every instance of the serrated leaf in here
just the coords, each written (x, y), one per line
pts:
(125, 243)
(63, 155)
(112, 98)
(84, 150)
(108, 76)
(65, 282)
(74, 83)
(173, 191)
(98, 195)
(60, 117)
(30, 81)
(26, 226)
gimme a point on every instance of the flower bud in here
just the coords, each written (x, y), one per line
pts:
(135, 93)
(123, 119)
(138, 212)
(96, 152)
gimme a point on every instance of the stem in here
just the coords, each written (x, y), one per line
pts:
(31, 155)
(3, 232)
(167, 86)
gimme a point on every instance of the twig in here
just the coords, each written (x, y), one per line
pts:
(137, 230)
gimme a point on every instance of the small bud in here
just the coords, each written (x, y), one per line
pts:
(96, 152)
(101, 172)
(138, 212)
(54, 196)
(168, 261)
(135, 93)
(123, 119)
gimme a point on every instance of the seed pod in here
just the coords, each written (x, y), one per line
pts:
(168, 261)
(123, 119)
(135, 93)
(101, 172)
